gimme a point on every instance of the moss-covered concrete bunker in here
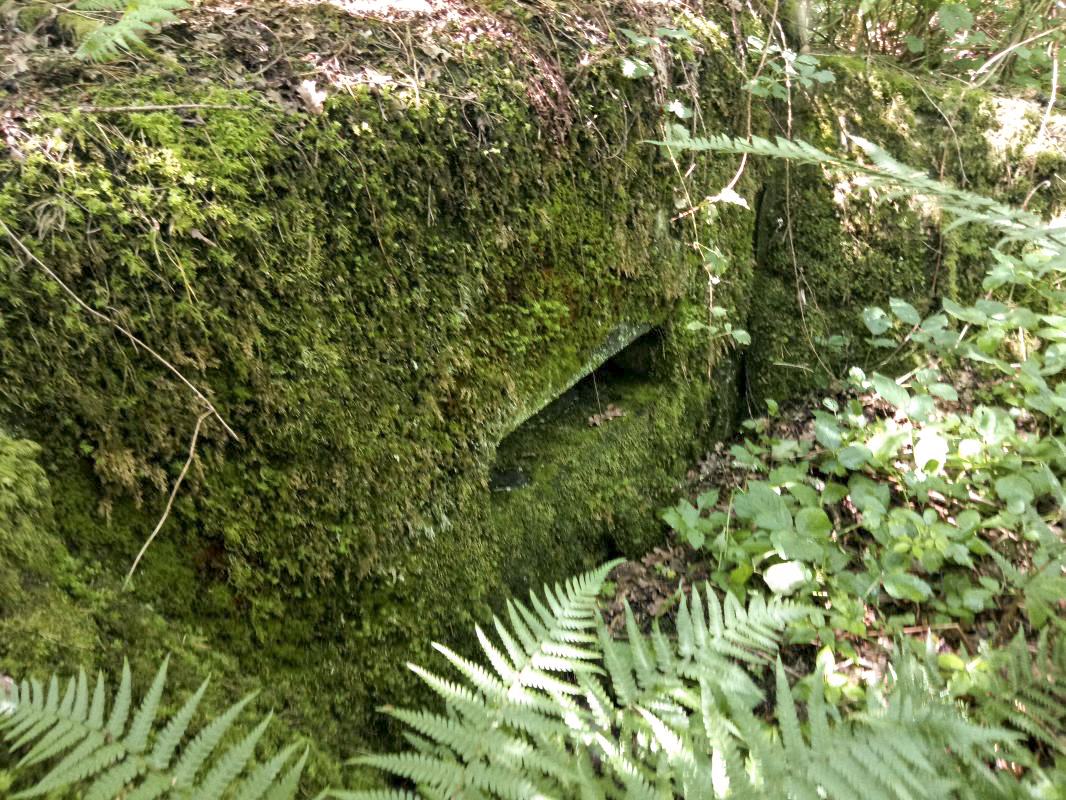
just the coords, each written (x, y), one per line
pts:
(374, 294)
(446, 313)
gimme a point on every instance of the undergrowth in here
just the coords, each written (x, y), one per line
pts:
(916, 503)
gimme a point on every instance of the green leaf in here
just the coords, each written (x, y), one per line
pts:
(790, 546)
(635, 68)
(889, 390)
(707, 499)
(944, 391)
(1016, 491)
(679, 109)
(813, 522)
(740, 336)
(904, 586)
(954, 17)
(636, 38)
(827, 430)
(833, 493)
(950, 661)
(904, 311)
(876, 320)
(673, 33)
(914, 44)
(854, 456)
(762, 505)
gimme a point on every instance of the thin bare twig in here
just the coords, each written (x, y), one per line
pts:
(137, 342)
(1054, 92)
(1004, 53)
(170, 500)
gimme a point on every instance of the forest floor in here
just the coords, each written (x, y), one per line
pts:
(651, 586)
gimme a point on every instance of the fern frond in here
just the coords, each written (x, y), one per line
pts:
(258, 783)
(137, 737)
(886, 172)
(653, 717)
(200, 748)
(285, 789)
(108, 761)
(1027, 691)
(139, 17)
(101, 5)
(167, 741)
(227, 768)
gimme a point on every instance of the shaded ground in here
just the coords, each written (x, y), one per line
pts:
(651, 585)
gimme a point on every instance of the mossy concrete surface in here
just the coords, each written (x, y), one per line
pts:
(373, 293)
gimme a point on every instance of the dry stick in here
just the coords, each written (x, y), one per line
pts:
(117, 326)
(1003, 53)
(170, 500)
(1051, 100)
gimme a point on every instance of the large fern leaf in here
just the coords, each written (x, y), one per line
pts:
(1027, 689)
(139, 17)
(138, 761)
(564, 710)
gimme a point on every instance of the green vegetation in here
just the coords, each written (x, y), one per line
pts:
(372, 297)
(350, 345)
(106, 757)
(137, 18)
(566, 711)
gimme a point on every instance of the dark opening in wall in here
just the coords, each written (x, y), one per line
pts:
(620, 386)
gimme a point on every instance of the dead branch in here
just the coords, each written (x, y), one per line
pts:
(170, 500)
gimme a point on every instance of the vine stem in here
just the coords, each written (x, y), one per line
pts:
(170, 500)
(137, 342)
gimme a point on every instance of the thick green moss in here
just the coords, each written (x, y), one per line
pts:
(35, 568)
(372, 297)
